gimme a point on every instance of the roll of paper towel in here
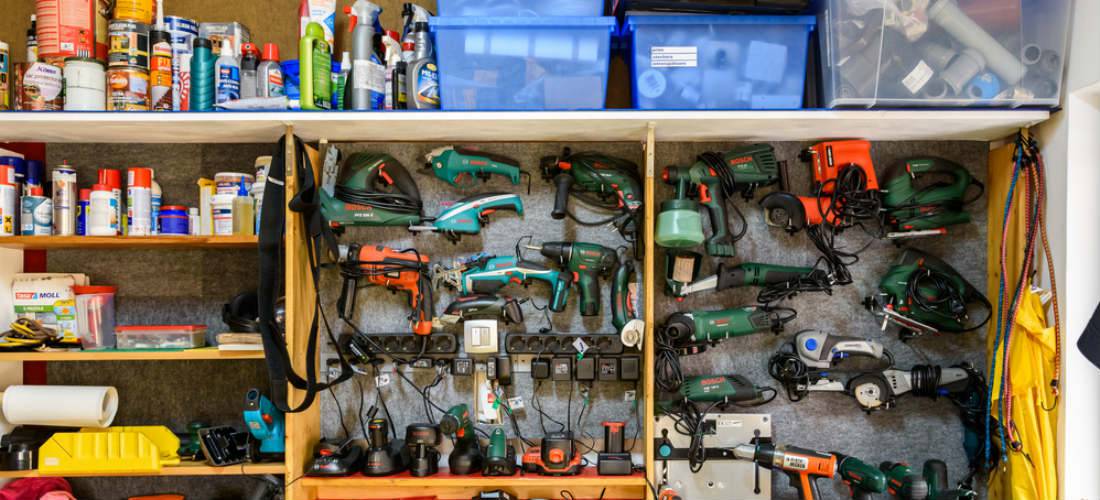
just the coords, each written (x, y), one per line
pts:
(60, 405)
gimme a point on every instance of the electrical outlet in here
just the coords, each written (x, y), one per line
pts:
(422, 363)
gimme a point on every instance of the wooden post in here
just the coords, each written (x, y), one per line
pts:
(650, 294)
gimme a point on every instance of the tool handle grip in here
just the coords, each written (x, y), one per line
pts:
(590, 294)
(560, 291)
(807, 487)
(720, 243)
(862, 495)
(563, 183)
(620, 294)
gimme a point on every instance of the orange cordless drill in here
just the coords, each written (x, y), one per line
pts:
(803, 467)
(397, 270)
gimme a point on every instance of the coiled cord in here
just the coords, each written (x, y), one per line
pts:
(716, 162)
(667, 373)
(815, 281)
(935, 293)
(926, 380)
(788, 369)
(393, 202)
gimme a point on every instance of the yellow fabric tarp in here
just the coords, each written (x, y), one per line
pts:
(1031, 473)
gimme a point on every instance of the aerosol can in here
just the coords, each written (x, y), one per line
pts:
(367, 73)
(423, 75)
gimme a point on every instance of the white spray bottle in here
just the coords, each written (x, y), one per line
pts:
(395, 82)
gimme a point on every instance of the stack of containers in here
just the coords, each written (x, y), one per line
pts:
(546, 55)
(718, 61)
(128, 58)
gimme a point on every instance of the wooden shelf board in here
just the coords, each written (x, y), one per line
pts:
(205, 353)
(588, 478)
(184, 469)
(96, 242)
(437, 126)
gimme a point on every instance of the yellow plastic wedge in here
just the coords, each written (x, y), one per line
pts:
(113, 450)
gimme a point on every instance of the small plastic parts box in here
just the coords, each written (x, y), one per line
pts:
(718, 62)
(943, 53)
(160, 336)
(517, 8)
(523, 63)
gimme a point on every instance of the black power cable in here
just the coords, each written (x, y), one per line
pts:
(729, 187)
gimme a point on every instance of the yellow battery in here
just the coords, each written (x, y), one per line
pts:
(112, 450)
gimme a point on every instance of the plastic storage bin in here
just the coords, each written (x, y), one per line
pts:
(942, 53)
(718, 62)
(160, 336)
(525, 8)
(95, 316)
(530, 63)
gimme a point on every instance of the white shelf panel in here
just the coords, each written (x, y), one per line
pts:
(611, 125)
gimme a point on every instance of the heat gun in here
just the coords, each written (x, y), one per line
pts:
(803, 467)
(265, 422)
(397, 270)
(584, 261)
(459, 166)
(466, 457)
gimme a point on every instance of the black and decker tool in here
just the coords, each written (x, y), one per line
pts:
(555, 456)
(398, 270)
(803, 467)
(845, 189)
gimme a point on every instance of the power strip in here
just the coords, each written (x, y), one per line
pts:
(407, 343)
(551, 343)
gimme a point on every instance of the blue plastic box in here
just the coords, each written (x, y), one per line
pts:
(718, 62)
(532, 63)
(520, 8)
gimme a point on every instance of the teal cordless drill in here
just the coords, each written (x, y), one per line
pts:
(711, 180)
(462, 166)
(466, 458)
(586, 262)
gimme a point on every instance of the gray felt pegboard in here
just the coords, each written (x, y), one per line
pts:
(919, 428)
(381, 311)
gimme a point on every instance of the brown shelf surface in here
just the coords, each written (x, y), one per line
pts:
(92, 242)
(183, 469)
(588, 484)
(205, 353)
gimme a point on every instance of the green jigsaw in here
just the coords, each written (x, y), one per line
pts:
(924, 195)
(373, 189)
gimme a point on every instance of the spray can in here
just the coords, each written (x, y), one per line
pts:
(160, 70)
(36, 213)
(32, 40)
(269, 78)
(183, 32)
(315, 69)
(5, 74)
(64, 200)
(103, 212)
(34, 176)
(155, 203)
(112, 179)
(202, 76)
(65, 28)
(139, 201)
(85, 84)
(250, 62)
(8, 204)
(423, 75)
(82, 212)
(228, 73)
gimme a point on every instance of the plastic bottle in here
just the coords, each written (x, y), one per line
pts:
(157, 195)
(367, 74)
(139, 201)
(315, 69)
(102, 206)
(244, 219)
(250, 62)
(82, 212)
(269, 75)
(395, 82)
(202, 75)
(32, 40)
(423, 75)
(222, 207)
(340, 90)
(228, 72)
(194, 223)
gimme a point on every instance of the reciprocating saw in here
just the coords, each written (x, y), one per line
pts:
(770, 276)
(397, 270)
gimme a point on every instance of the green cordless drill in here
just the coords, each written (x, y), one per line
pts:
(586, 262)
(462, 166)
(903, 483)
(711, 180)
(500, 457)
(863, 479)
(696, 329)
(924, 195)
(744, 274)
(466, 458)
(935, 474)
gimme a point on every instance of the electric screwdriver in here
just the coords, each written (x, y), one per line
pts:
(803, 467)
(586, 262)
(863, 479)
(466, 458)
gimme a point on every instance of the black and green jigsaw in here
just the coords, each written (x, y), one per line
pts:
(924, 195)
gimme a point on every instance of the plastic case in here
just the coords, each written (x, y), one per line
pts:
(718, 62)
(942, 53)
(160, 336)
(525, 8)
(523, 63)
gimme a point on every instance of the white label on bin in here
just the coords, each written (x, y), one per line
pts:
(917, 78)
(673, 57)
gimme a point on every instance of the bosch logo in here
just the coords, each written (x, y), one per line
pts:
(712, 381)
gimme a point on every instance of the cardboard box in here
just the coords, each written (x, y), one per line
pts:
(48, 298)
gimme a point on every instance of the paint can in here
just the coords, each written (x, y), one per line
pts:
(37, 213)
(82, 212)
(65, 28)
(223, 214)
(182, 32)
(129, 44)
(64, 200)
(160, 71)
(5, 77)
(127, 89)
(141, 11)
(113, 180)
(139, 201)
(102, 212)
(233, 182)
(39, 87)
(173, 220)
(8, 203)
(85, 85)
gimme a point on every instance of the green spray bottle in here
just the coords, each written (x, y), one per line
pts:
(315, 69)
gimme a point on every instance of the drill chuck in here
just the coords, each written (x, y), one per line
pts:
(448, 424)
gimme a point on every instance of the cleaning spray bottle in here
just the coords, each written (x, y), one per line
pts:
(423, 75)
(228, 74)
(367, 73)
(315, 69)
(269, 78)
(411, 14)
(395, 82)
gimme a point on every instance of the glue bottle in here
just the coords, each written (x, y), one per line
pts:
(244, 220)
(228, 72)
(423, 76)
(315, 69)
(367, 87)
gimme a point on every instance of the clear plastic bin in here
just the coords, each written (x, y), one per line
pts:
(95, 316)
(942, 53)
(160, 336)
(529, 63)
(718, 62)
(516, 8)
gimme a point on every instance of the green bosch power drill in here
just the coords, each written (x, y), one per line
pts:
(462, 166)
(711, 180)
(466, 458)
(692, 331)
(587, 262)
(935, 475)
(863, 479)
(923, 196)
(903, 483)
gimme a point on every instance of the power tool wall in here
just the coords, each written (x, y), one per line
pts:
(918, 428)
(380, 311)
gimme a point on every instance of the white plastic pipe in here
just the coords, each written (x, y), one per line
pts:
(60, 405)
(946, 13)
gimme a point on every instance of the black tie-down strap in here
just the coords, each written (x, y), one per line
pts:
(319, 240)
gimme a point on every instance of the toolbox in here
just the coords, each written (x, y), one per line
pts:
(943, 53)
(528, 63)
(160, 336)
(525, 8)
(718, 62)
